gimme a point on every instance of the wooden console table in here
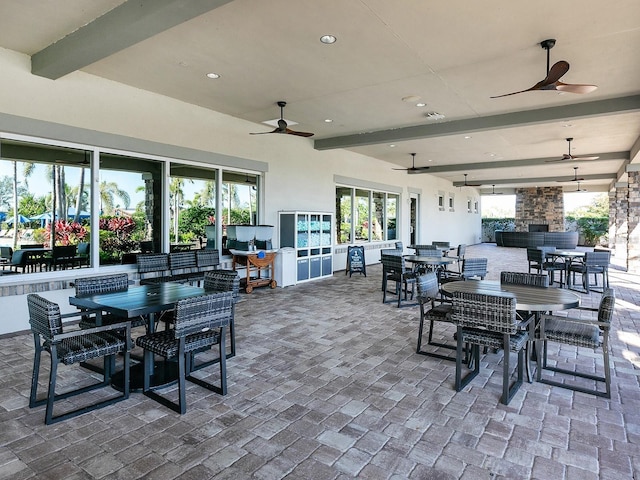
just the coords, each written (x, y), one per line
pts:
(255, 267)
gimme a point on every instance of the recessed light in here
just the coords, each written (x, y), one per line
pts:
(434, 115)
(392, 145)
(213, 75)
(412, 98)
(328, 39)
(567, 125)
(421, 104)
(328, 120)
(467, 137)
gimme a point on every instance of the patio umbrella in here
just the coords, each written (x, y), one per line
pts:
(43, 218)
(71, 213)
(21, 219)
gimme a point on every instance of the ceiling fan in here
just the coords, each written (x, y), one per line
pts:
(568, 156)
(282, 125)
(493, 191)
(413, 167)
(579, 189)
(552, 80)
(468, 184)
(575, 177)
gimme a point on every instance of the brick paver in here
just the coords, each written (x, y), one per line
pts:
(326, 385)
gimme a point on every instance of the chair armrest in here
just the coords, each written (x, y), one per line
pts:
(583, 321)
(105, 328)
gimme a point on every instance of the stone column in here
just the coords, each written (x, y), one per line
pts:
(621, 213)
(633, 223)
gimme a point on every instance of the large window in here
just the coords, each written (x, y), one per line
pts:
(374, 215)
(45, 199)
(108, 206)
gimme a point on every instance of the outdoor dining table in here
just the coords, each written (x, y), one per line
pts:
(528, 298)
(436, 263)
(148, 301)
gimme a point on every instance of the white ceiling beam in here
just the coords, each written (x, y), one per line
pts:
(125, 25)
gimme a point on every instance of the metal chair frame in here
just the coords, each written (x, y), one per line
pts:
(394, 269)
(579, 332)
(200, 322)
(490, 321)
(73, 347)
(428, 289)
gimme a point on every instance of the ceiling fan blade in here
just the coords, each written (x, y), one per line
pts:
(263, 133)
(574, 179)
(515, 93)
(299, 134)
(595, 157)
(575, 87)
(555, 73)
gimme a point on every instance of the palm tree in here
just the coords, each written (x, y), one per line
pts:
(109, 191)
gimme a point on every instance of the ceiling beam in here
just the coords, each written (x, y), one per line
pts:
(125, 25)
(585, 178)
(480, 124)
(517, 163)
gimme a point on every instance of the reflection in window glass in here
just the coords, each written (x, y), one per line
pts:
(377, 216)
(192, 213)
(343, 215)
(130, 207)
(45, 194)
(392, 207)
(362, 216)
(239, 202)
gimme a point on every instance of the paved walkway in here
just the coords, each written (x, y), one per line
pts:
(327, 385)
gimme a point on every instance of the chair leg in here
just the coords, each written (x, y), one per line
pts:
(36, 372)
(182, 374)
(51, 395)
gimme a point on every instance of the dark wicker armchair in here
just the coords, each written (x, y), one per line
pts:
(225, 281)
(73, 347)
(595, 263)
(489, 321)
(579, 332)
(394, 270)
(199, 323)
(432, 310)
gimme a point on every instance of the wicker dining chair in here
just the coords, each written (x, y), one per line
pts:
(118, 282)
(538, 259)
(578, 332)
(433, 311)
(471, 268)
(489, 321)
(595, 263)
(225, 281)
(73, 347)
(395, 271)
(199, 323)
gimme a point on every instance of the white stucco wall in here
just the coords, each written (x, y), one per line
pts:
(298, 178)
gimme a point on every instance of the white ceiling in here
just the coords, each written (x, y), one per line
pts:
(454, 55)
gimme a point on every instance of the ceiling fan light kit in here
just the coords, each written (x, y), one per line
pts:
(282, 125)
(554, 74)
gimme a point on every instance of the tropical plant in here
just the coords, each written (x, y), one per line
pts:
(66, 233)
(193, 221)
(109, 192)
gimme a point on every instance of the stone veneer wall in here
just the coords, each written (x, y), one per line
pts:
(542, 205)
(633, 223)
(618, 213)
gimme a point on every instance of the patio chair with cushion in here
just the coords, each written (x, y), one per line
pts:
(581, 333)
(459, 256)
(200, 322)
(539, 260)
(432, 310)
(471, 268)
(19, 261)
(225, 281)
(73, 347)
(489, 321)
(595, 263)
(394, 270)
(62, 256)
(153, 267)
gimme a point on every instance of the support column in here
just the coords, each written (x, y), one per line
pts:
(633, 223)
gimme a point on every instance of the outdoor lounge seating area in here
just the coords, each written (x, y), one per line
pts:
(326, 383)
